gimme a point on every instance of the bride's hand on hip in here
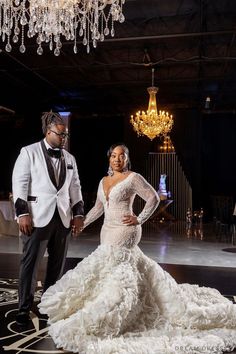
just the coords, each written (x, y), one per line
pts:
(130, 220)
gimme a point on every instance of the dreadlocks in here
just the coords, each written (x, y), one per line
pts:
(49, 119)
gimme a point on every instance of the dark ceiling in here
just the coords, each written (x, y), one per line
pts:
(191, 44)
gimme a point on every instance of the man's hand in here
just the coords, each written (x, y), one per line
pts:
(26, 224)
(77, 225)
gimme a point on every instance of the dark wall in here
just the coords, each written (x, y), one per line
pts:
(90, 140)
(16, 131)
(206, 146)
(219, 154)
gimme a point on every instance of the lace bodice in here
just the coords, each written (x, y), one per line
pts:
(120, 200)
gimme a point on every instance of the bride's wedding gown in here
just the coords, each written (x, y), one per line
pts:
(119, 301)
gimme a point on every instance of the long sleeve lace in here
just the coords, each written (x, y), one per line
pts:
(148, 193)
(94, 213)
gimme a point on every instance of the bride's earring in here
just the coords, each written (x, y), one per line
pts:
(110, 171)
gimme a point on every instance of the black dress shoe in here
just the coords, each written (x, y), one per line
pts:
(22, 318)
(43, 316)
(39, 315)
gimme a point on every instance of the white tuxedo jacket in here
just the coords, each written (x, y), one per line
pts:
(33, 181)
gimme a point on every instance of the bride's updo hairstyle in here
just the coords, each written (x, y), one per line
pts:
(127, 166)
(49, 119)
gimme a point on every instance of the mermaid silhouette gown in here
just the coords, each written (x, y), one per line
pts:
(119, 301)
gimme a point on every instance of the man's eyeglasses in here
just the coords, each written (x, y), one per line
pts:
(61, 135)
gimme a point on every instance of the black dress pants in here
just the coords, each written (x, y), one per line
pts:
(54, 237)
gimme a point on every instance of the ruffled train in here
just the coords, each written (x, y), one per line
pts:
(118, 301)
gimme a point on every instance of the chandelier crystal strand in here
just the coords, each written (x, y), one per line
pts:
(152, 123)
(52, 21)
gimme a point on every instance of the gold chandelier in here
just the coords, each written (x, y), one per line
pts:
(167, 145)
(52, 21)
(152, 123)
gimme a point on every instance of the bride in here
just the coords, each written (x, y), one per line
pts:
(119, 301)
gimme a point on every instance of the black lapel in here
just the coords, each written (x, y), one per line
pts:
(62, 176)
(49, 164)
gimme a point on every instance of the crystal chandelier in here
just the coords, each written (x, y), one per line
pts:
(52, 21)
(167, 145)
(152, 123)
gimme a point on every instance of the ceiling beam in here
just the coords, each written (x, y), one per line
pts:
(166, 36)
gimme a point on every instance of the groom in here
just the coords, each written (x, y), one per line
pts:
(48, 200)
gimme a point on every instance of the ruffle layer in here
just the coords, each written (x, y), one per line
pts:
(117, 300)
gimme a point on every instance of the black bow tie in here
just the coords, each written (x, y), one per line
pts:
(54, 153)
